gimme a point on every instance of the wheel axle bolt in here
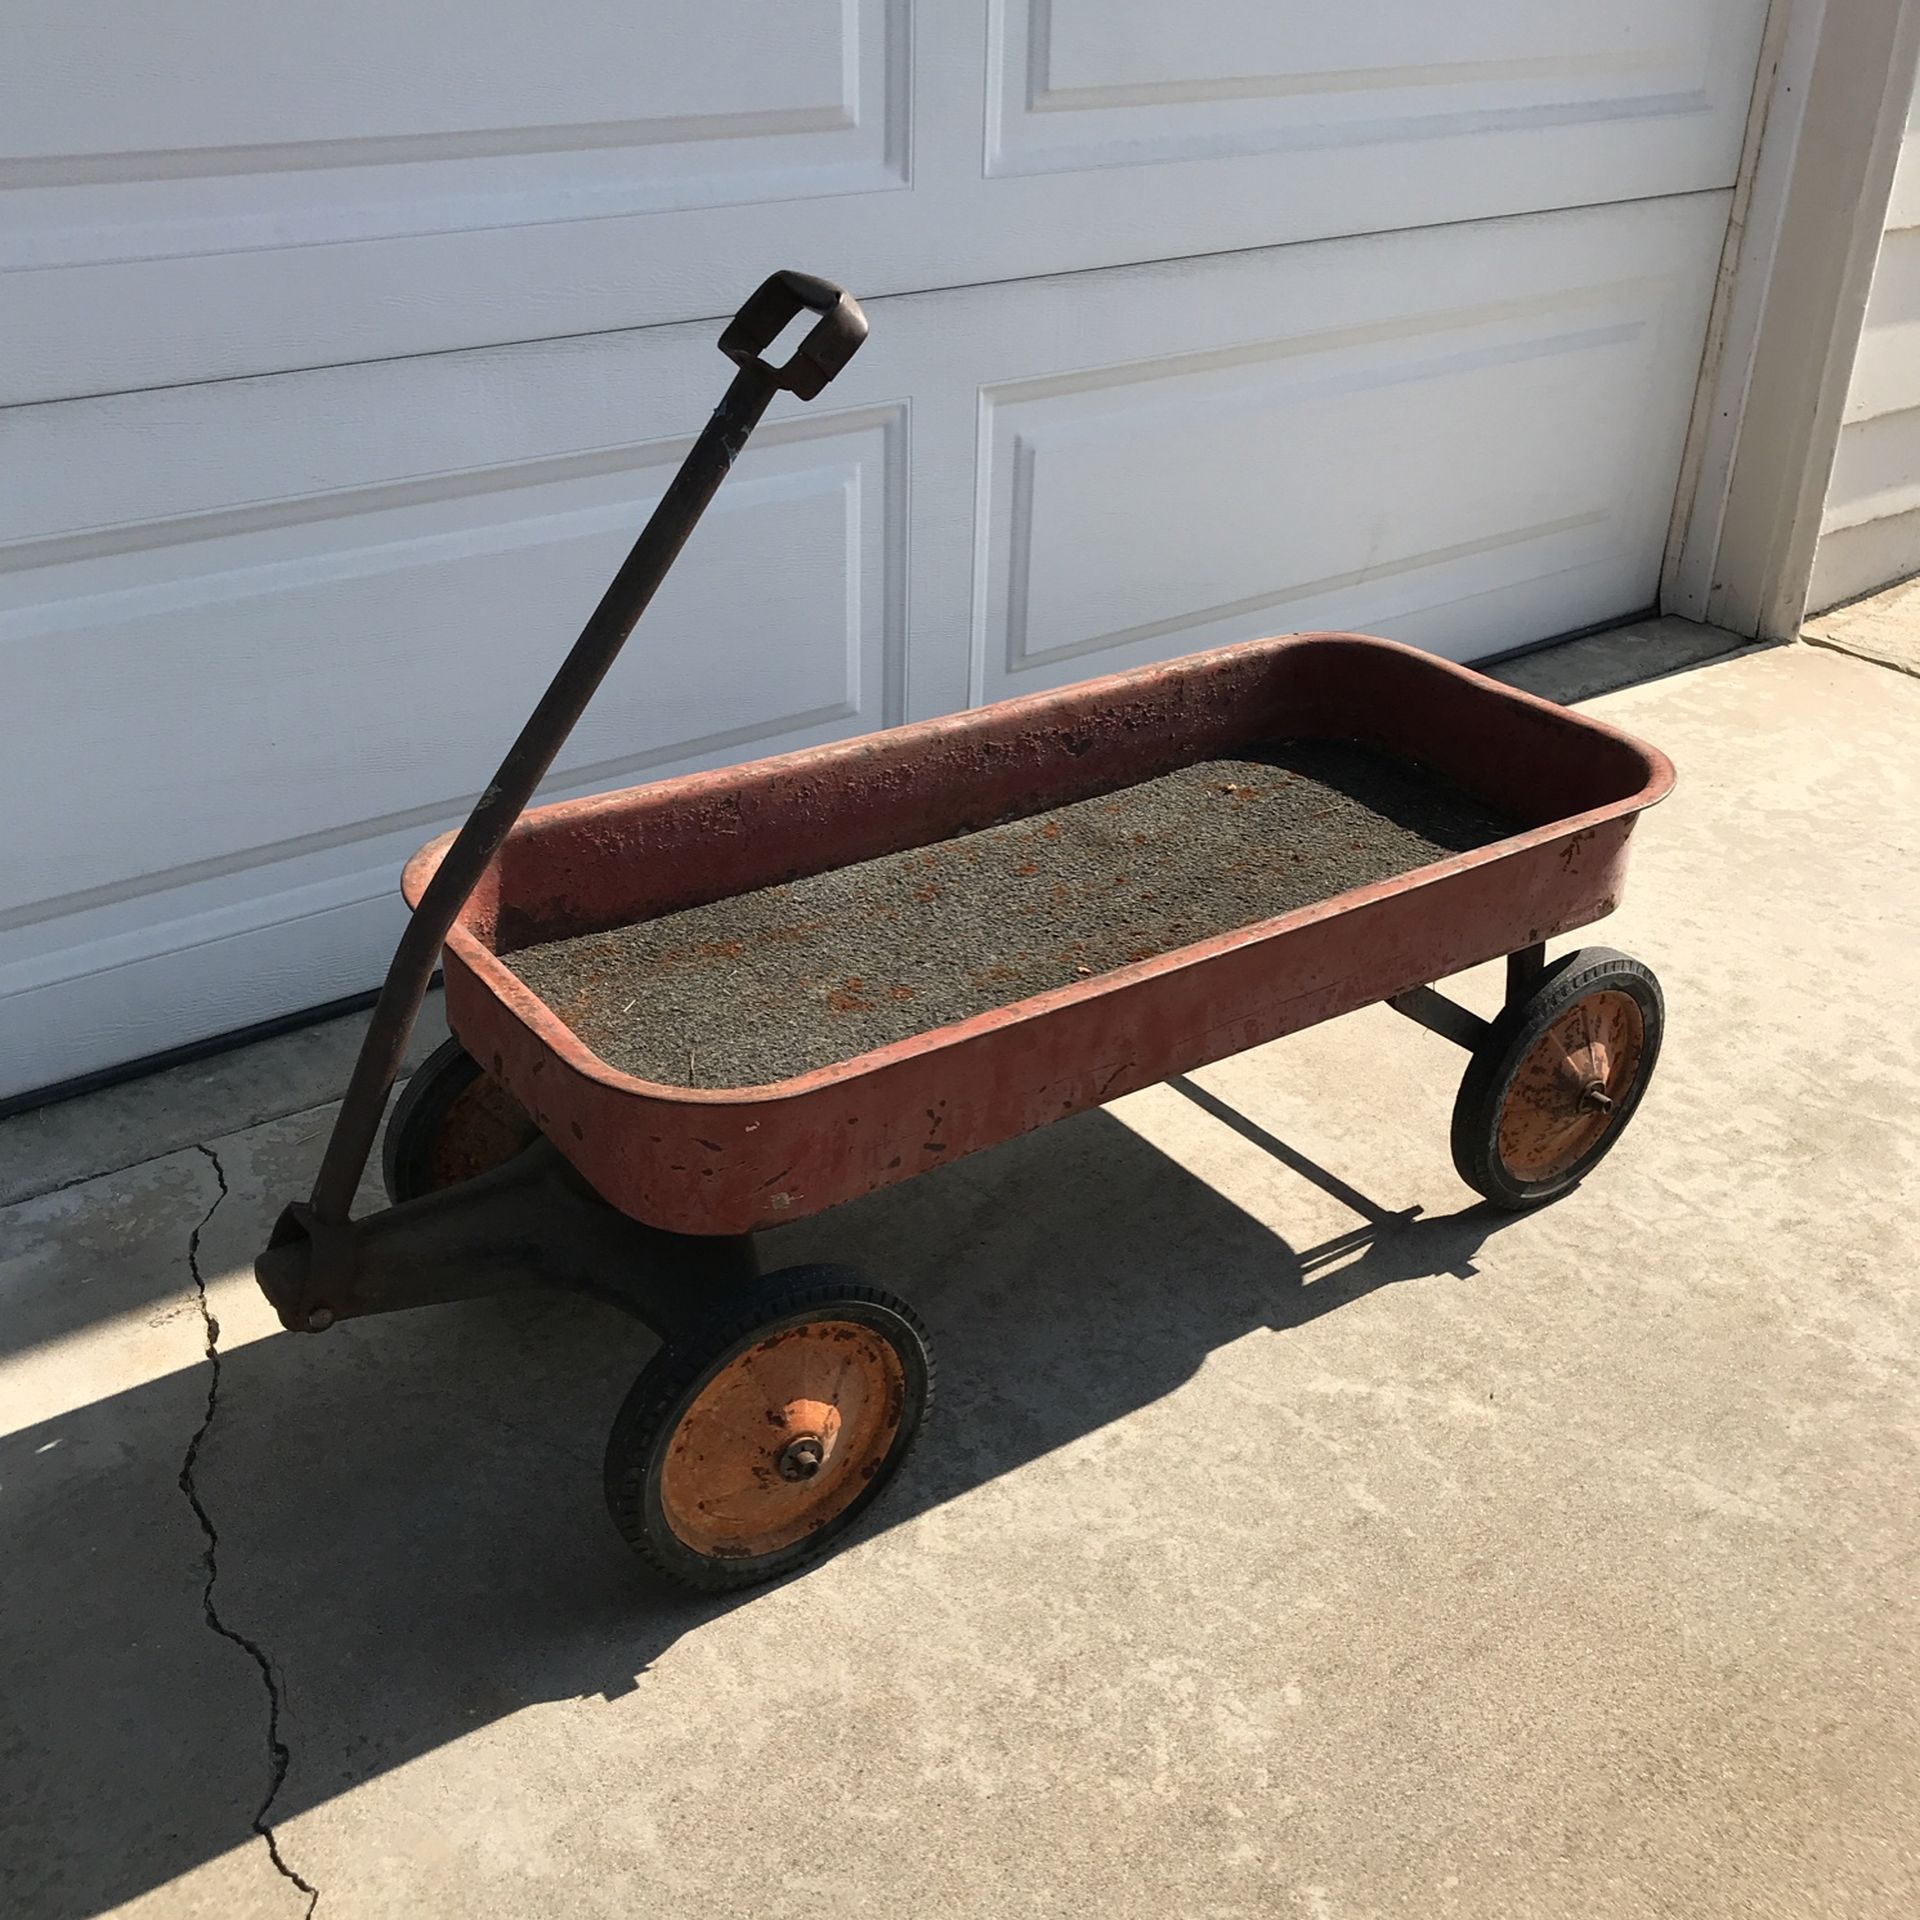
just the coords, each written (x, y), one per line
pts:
(1594, 1098)
(800, 1459)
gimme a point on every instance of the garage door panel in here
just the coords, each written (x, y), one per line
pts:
(275, 212)
(1087, 83)
(1391, 488)
(211, 128)
(1361, 475)
(215, 973)
(283, 697)
(359, 70)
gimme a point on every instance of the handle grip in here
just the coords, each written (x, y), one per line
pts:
(821, 354)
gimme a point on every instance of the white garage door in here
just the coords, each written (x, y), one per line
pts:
(269, 617)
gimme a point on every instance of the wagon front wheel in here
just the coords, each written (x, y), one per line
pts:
(1558, 1077)
(453, 1120)
(748, 1446)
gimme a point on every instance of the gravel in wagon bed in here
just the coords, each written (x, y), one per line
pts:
(766, 985)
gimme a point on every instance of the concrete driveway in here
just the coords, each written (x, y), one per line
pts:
(1292, 1536)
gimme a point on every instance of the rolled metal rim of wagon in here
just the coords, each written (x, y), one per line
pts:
(501, 984)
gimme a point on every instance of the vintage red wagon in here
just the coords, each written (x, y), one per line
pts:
(779, 1405)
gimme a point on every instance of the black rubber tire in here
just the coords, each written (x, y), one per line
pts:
(1512, 1036)
(415, 1129)
(637, 1447)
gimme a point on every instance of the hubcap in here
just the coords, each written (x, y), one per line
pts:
(782, 1438)
(483, 1127)
(1563, 1096)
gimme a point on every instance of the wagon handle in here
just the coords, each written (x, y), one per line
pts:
(784, 297)
(821, 355)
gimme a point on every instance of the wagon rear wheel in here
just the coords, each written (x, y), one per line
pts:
(453, 1120)
(750, 1445)
(1558, 1077)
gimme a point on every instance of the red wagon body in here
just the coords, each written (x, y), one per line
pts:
(701, 1161)
(778, 1405)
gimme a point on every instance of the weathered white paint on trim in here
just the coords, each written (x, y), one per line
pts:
(1870, 534)
(1832, 117)
(1787, 51)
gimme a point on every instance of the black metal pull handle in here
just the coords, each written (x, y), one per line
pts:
(828, 348)
(821, 354)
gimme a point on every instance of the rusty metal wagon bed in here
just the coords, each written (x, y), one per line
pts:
(691, 1010)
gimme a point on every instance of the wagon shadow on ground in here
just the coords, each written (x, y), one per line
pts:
(409, 1509)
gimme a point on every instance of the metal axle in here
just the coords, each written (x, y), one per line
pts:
(1451, 1021)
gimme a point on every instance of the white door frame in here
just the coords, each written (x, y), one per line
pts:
(1830, 109)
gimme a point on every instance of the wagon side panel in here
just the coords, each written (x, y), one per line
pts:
(705, 1162)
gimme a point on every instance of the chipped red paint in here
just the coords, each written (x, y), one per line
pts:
(731, 1160)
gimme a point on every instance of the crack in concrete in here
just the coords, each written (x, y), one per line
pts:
(279, 1755)
(1865, 651)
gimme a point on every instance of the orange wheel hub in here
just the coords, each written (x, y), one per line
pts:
(782, 1438)
(1564, 1095)
(483, 1127)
